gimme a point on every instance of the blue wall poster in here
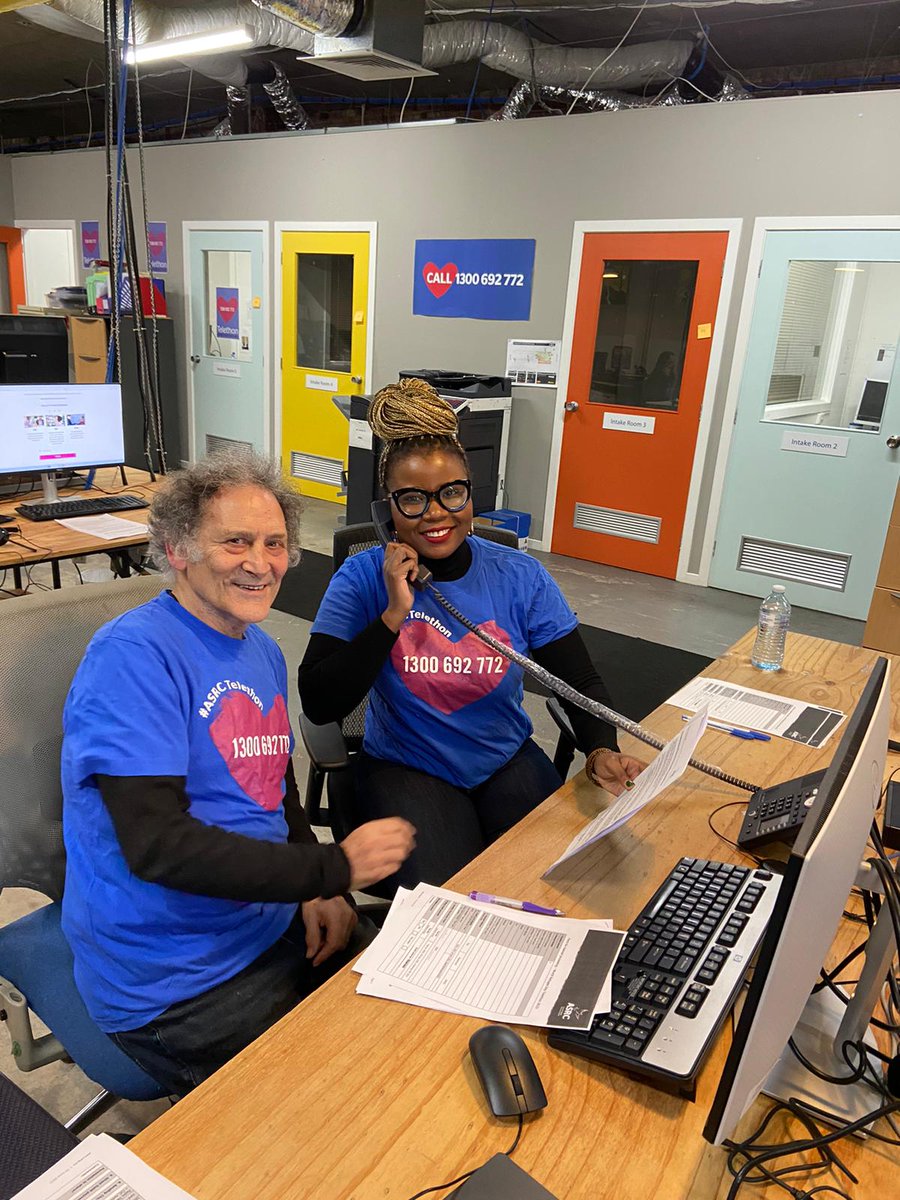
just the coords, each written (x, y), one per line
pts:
(485, 278)
(227, 314)
(158, 242)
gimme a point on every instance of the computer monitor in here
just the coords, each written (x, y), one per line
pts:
(819, 874)
(33, 350)
(871, 404)
(54, 427)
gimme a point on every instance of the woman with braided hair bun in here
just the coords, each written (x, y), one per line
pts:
(447, 743)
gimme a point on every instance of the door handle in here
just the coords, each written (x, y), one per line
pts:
(356, 379)
(195, 358)
(893, 441)
(571, 406)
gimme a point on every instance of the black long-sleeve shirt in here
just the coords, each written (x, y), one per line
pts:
(162, 843)
(336, 675)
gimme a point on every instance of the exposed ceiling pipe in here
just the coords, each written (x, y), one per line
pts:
(285, 103)
(513, 52)
(330, 18)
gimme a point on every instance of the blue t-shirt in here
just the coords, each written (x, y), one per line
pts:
(444, 702)
(159, 692)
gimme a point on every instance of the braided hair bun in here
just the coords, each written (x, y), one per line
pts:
(410, 416)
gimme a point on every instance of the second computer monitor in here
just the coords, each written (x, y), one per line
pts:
(58, 427)
(821, 870)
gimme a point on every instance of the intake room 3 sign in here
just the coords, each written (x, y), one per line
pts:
(486, 278)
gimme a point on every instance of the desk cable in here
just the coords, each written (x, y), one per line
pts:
(594, 707)
(439, 1187)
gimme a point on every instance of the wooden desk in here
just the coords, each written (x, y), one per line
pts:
(48, 541)
(350, 1096)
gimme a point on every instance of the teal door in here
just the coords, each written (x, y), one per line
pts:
(812, 473)
(228, 355)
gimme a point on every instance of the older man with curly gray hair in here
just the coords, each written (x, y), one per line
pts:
(199, 905)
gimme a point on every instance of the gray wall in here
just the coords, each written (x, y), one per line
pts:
(811, 156)
(6, 192)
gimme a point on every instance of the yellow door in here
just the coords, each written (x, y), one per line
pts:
(325, 322)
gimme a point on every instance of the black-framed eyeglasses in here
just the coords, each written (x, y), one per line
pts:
(452, 497)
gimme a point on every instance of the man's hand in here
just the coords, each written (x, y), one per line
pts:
(329, 924)
(376, 850)
(615, 772)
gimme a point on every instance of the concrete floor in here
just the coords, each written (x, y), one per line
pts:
(702, 620)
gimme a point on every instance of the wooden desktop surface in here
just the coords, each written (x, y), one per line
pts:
(44, 541)
(352, 1096)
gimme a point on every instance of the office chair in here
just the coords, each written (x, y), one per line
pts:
(331, 747)
(45, 638)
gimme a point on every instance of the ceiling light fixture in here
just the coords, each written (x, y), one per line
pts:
(201, 43)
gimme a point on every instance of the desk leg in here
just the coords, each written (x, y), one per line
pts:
(54, 571)
(120, 563)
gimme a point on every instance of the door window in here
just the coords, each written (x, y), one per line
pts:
(642, 330)
(837, 342)
(324, 311)
(228, 304)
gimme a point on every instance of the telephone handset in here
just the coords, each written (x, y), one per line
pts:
(383, 520)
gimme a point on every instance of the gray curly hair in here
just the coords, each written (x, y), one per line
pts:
(178, 507)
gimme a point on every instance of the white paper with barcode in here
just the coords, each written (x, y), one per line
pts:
(100, 1168)
(445, 951)
(796, 720)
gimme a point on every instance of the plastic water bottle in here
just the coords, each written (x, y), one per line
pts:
(774, 621)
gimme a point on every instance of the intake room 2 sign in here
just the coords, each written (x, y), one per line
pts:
(486, 278)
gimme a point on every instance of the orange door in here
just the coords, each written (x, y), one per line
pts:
(13, 276)
(645, 313)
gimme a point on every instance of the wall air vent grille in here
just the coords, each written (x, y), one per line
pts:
(216, 444)
(781, 560)
(316, 468)
(636, 526)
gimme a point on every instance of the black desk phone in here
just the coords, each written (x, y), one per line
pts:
(383, 520)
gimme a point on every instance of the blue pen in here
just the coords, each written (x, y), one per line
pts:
(750, 735)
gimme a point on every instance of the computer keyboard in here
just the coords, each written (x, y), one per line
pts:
(678, 973)
(79, 508)
(776, 814)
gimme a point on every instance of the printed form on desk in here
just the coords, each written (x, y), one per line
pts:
(668, 766)
(100, 1168)
(105, 527)
(809, 724)
(441, 950)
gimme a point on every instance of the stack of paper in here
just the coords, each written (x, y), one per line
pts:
(442, 950)
(101, 1169)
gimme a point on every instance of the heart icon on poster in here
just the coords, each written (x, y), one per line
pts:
(227, 307)
(439, 280)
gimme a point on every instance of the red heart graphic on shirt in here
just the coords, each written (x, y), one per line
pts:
(227, 307)
(255, 747)
(439, 280)
(448, 675)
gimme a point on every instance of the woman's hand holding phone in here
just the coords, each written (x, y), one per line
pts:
(401, 565)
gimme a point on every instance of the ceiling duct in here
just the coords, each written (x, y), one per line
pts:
(330, 18)
(386, 44)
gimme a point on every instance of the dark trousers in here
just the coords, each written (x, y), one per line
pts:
(192, 1039)
(453, 825)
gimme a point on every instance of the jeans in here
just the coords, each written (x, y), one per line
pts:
(453, 825)
(193, 1038)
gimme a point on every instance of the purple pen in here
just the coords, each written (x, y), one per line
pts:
(521, 905)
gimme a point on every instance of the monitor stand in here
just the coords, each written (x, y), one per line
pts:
(825, 1024)
(49, 492)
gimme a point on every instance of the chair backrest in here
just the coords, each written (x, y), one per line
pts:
(353, 539)
(45, 639)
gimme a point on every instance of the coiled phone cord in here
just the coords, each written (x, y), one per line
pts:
(569, 693)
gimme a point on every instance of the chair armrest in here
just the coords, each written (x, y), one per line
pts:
(558, 713)
(28, 1051)
(325, 745)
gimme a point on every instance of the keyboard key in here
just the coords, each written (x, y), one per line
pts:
(605, 1038)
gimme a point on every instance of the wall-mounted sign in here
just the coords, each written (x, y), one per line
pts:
(90, 243)
(532, 363)
(629, 422)
(488, 279)
(815, 443)
(159, 251)
(360, 434)
(227, 314)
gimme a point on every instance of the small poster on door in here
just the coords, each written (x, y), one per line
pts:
(158, 242)
(90, 243)
(227, 313)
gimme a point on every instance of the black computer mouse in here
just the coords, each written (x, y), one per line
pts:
(507, 1071)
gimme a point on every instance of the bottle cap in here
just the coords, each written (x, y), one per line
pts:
(778, 587)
